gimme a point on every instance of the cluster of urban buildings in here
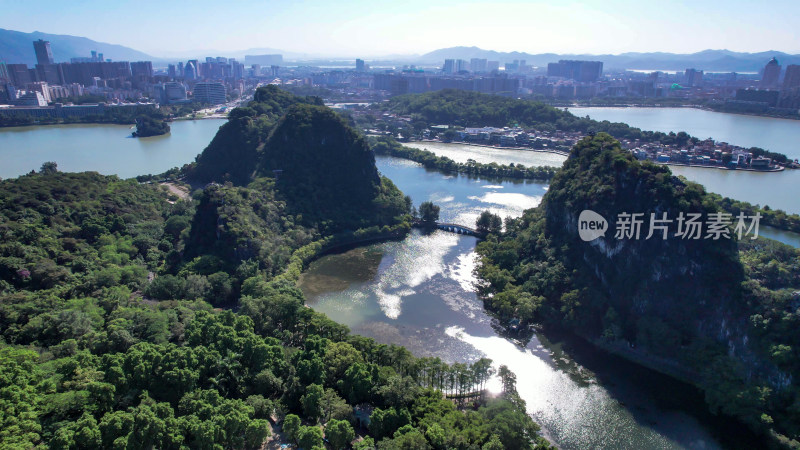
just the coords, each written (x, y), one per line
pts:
(42, 90)
(507, 137)
(482, 75)
(216, 79)
(704, 153)
(773, 88)
(512, 137)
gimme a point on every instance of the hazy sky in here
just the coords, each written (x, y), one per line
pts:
(374, 27)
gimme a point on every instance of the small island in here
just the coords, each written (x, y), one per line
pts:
(147, 126)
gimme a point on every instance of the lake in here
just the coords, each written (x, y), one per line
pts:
(107, 149)
(419, 293)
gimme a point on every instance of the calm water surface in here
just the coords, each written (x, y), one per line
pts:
(107, 149)
(461, 153)
(419, 293)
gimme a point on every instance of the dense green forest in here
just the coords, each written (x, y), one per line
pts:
(722, 314)
(130, 321)
(388, 146)
(473, 109)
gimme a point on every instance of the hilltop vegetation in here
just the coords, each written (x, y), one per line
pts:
(324, 170)
(233, 155)
(719, 313)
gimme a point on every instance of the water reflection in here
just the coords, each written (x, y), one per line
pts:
(431, 308)
(419, 293)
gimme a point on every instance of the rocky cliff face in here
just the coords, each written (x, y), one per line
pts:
(682, 305)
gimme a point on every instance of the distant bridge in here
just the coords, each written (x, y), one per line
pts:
(453, 228)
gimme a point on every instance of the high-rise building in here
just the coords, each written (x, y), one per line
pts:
(517, 66)
(586, 71)
(771, 74)
(449, 66)
(190, 71)
(791, 79)
(492, 66)
(256, 69)
(359, 65)
(174, 91)
(43, 53)
(51, 73)
(237, 70)
(4, 76)
(693, 77)
(19, 74)
(477, 65)
(142, 68)
(210, 92)
(461, 65)
(171, 72)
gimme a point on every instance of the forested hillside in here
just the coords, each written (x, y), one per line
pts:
(720, 313)
(323, 169)
(110, 338)
(234, 153)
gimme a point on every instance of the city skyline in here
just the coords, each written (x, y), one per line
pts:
(356, 28)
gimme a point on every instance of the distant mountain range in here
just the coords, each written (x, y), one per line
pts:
(708, 60)
(17, 47)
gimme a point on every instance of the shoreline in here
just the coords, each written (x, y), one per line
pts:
(772, 170)
(698, 107)
(129, 125)
(525, 149)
